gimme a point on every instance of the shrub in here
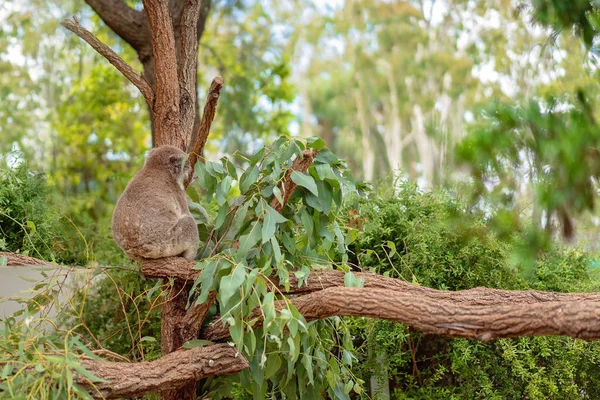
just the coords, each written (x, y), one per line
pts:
(428, 239)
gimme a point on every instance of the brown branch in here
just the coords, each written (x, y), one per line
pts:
(181, 269)
(167, 373)
(166, 111)
(187, 65)
(112, 57)
(19, 260)
(480, 313)
(576, 319)
(194, 317)
(129, 24)
(196, 148)
(288, 187)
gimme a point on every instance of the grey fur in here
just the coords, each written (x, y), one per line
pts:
(152, 218)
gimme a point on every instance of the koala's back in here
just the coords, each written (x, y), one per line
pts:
(146, 216)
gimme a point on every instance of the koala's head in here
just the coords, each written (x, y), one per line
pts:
(168, 158)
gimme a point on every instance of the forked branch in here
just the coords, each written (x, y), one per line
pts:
(108, 53)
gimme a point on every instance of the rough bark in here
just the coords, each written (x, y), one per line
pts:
(172, 337)
(187, 61)
(288, 187)
(170, 372)
(19, 260)
(167, 127)
(576, 319)
(480, 313)
(181, 269)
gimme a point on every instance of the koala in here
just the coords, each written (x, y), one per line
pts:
(152, 218)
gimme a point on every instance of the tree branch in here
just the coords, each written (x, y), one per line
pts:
(112, 57)
(167, 373)
(480, 313)
(181, 269)
(288, 187)
(19, 260)
(196, 148)
(194, 317)
(129, 24)
(576, 319)
(166, 114)
(187, 65)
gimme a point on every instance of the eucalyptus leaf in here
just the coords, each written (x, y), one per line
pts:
(231, 283)
(305, 181)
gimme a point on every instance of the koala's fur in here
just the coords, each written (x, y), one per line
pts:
(152, 218)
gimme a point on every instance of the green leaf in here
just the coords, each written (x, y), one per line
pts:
(315, 142)
(237, 334)
(325, 196)
(256, 157)
(276, 249)
(294, 352)
(31, 226)
(3, 261)
(230, 167)
(231, 283)
(307, 222)
(196, 343)
(273, 364)
(268, 308)
(277, 194)
(198, 213)
(324, 171)
(238, 220)
(223, 190)
(214, 169)
(307, 363)
(270, 220)
(348, 386)
(326, 157)
(248, 178)
(340, 238)
(392, 247)
(347, 357)
(340, 393)
(221, 215)
(249, 240)
(350, 280)
(305, 181)
(206, 279)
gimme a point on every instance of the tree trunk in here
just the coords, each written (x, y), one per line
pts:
(132, 26)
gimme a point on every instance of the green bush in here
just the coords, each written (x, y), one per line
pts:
(36, 220)
(28, 222)
(428, 239)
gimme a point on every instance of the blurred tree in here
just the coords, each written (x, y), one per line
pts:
(402, 79)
